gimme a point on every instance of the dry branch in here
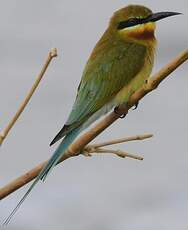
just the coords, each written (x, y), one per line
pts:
(97, 148)
(76, 148)
(4, 133)
(122, 140)
(118, 153)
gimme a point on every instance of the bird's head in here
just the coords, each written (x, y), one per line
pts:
(136, 23)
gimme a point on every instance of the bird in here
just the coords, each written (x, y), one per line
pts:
(120, 63)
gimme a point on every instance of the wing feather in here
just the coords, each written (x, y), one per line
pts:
(105, 74)
(104, 77)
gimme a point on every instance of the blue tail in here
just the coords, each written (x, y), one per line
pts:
(48, 167)
(59, 152)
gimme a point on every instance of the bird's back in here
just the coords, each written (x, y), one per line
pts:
(111, 66)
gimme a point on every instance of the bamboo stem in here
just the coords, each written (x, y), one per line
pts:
(4, 133)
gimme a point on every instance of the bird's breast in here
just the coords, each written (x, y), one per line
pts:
(139, 79)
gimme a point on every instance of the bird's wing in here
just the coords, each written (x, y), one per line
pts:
(105, 74)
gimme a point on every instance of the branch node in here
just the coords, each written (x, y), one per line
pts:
(53, 52)
(123, 154)
(86, 153)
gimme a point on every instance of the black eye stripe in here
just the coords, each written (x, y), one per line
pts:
(131, 22)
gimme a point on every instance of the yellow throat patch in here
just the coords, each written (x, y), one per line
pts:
(142, 32)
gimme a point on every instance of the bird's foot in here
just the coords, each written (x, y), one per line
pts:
(136, 106)
(120, 115)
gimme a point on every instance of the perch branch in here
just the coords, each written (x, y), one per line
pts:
(75, 148)
(119, 153)
(4, 133)
(96, 148)
(122, 140)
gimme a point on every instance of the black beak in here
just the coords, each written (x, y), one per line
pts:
(158, 16)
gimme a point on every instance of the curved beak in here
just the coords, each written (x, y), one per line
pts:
(158, 16)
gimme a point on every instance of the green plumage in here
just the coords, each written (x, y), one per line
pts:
(104, 77)
(112, 65)
(114, 62)
(118, 65)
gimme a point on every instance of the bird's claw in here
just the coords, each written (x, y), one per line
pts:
(120, 115)
(123, 116)
(136, 106)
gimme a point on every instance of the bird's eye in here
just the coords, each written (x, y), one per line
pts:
(133, 20)
(130, 22)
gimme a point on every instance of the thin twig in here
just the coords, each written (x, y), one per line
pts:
(122, 140)
(4, 133)
(96, 148)
(75, 148)
(119, 153)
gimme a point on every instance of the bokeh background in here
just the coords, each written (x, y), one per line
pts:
(102, 192)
